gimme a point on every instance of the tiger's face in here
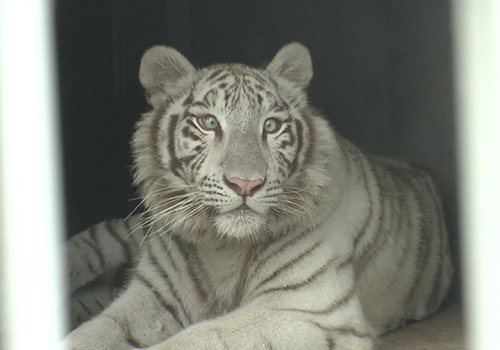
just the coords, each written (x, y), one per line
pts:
(223, 152)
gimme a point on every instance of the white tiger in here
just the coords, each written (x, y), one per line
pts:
(264, 229)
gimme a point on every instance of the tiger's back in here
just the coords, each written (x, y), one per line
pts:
(267, 228)
(403, 264)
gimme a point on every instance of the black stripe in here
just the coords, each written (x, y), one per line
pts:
(334, 306)
(347, 159)
(188, 159)
(323, 269)
(183, 249)
(436, 291)
(283, 160)
(423, 249)
(202, 104)
(282, 247)
(208, 94)
(369, 217)
(331, 343)
(344, 331)
(125, 247)
(402, 227)
(337, 304)
(175, 163)
(98, 302)
(154, 129)
(286, 143)
(85, 308)
(166, 278)
(381, 234)
(131, 232)
(128, 334)
(171, 260)
(91, 268)
(259, 99)
(133, 342)
(189, 99)
(215, 73)
(192, 123)
(289, 264)
(242, 279)
(300, 137)
(96, 246)
(188, 133)
(221, 77)
(352, 331)
(170, 308)
(96, 250)
(310, 151)
(199, 162)
(257, 76)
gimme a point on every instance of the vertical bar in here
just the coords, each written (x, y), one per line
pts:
(477, 67)
(30, 221)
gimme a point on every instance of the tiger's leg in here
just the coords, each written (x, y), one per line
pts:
(137, 319)
(260, 325)
(101, 248)
(88, 302)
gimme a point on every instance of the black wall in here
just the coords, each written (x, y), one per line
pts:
(383, 77)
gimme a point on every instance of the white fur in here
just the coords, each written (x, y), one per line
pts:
(329, 252)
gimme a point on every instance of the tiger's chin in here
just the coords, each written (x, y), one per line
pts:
(240, 224)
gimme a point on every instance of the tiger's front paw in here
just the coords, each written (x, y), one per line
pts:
(97, 334)
(205, 338)
(92, 343)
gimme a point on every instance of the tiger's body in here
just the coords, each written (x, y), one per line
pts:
(265, 228)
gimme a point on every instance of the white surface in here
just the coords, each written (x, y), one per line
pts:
(477, 58)
(30, 262)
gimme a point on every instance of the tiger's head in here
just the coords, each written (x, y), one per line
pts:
(230, 152)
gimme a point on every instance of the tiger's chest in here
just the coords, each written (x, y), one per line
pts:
(226, 270)
(223, 266)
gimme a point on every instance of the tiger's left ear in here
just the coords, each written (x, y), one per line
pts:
(293, 63)
(163, 71)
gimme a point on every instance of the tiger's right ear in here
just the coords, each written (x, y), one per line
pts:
(163, 71)
(293, 63)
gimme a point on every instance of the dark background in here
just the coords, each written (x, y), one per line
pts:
(383, 77)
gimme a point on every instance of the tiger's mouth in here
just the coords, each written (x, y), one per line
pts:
(242, 208)
(245, 209)
(241, 222)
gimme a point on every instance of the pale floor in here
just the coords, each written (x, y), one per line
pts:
(443, 331)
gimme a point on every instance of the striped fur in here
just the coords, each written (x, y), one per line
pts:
(264, 229)
(96, 262)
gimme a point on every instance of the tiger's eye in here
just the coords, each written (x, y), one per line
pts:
(271, 125)
(208, 122)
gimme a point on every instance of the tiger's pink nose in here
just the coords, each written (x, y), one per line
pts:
(244, 187)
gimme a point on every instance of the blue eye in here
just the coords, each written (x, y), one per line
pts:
(272, 125)
(208, 122)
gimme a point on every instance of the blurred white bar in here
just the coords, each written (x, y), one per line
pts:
(30, 220)
(476, 30)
